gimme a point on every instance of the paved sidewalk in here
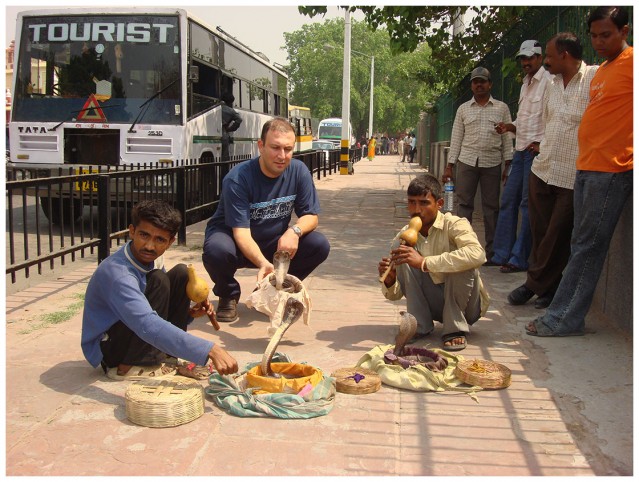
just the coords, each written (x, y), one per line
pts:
(568, 411)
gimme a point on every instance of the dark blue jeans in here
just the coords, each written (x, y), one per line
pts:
(222, 258)
(508, 246)
(599, 200)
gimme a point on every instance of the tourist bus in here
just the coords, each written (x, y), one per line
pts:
(119, 86)
(300, 117)
(331, 130)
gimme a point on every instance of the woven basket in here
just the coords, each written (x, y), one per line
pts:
(164, 403)
(345, 381)
(483, 373)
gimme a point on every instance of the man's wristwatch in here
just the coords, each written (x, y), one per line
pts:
(297, 230)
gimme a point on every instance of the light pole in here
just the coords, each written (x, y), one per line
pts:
(370, 113)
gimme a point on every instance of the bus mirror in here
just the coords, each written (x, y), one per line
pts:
(194, 73)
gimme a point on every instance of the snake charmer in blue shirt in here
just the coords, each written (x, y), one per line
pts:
(134, 314)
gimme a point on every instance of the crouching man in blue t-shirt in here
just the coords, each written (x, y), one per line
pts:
(136, 313)
(253, 218)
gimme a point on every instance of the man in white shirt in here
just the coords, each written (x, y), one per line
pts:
(512, 250)
(554, 170)
(480, 151)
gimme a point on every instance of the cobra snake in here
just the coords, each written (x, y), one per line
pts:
(293, 308)
(407, 356)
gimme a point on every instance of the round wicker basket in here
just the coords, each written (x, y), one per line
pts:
(347, 381)
(483, 373)
(164, 403)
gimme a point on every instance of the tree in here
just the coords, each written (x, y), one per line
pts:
(455, 56)
(315, 76)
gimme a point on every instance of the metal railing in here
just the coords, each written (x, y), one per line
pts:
(51, 220)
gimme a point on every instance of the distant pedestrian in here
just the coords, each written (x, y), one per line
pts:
(512, 249)
(480, 151)
(406, 153)
(413, 147)
(604, 174)
(231, 121)
(552, 177)
(371, 148)
(400, 147)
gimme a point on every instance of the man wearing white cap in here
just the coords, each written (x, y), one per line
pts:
(512, 250)
(480, 152)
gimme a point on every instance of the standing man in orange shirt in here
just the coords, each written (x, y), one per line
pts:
(604, 174)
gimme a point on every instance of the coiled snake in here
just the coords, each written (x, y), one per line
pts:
(407, 356)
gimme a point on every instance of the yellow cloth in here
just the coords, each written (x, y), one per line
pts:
(270, 301)
(417, 378)
(452, 247)
(303, 374)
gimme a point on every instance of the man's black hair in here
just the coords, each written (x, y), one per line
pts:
(618, 15)
(159, 213)
(568, 42)
(423, 185)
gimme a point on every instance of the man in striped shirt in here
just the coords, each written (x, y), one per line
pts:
(553, 171)
(480, 151)
(511, 249)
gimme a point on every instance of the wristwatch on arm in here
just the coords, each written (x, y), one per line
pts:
(297, 230)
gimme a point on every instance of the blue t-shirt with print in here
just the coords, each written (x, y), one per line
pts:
(251, 199)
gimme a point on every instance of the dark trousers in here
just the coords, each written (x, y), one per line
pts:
(489, 178)
(166, 293)
(550, 210)
(222, 258)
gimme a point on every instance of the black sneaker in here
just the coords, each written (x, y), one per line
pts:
(520, 296)
(226, 310)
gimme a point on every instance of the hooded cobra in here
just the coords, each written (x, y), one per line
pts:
(407, 329)
(292, 312)
(407, 356)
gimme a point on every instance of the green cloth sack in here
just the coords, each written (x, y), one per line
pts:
(417, 378)
(229, 394)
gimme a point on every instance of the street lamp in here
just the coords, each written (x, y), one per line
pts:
(372, 57)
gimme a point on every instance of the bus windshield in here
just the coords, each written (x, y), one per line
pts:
(122, 61)
(330, 131)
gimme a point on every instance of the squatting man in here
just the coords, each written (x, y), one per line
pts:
(439, 276)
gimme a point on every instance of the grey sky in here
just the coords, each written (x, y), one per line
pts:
(259, 27)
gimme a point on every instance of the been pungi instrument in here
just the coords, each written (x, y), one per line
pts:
(407, 237)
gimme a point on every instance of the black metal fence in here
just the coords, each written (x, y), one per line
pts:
(78, 214)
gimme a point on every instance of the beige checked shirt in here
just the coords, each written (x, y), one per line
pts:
(450, 247)
(563, 109)
(529, 123)
(474, 140)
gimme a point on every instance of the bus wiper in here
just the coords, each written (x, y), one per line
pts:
(147, 103)
(81, 110)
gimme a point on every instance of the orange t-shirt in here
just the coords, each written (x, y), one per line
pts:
(605, 132)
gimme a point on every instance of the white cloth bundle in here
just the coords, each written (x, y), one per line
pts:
(270, 301)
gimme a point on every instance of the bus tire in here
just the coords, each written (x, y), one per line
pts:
(60, 214)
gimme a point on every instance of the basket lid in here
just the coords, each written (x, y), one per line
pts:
(483, 373)
(356, 380)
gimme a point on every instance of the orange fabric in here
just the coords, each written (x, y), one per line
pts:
(302, 374)
(605, 133)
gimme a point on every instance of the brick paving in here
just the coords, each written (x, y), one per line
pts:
(65, 418)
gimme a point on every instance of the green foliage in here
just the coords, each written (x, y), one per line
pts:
(409, 27)
(404, 83)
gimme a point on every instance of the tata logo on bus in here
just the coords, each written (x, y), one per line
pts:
(100, 31)
(32, 130)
